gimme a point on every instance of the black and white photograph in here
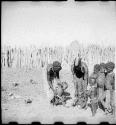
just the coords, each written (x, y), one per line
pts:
(58, 62)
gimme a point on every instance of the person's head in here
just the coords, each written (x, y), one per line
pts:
(110, 67)
(92, 82)
(57, 66)
(65, 85)
(96, 68)
(102, 67)
(59, 84)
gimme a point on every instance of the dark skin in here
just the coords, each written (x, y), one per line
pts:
(58, 90)
(100, 84)
(51, 75)
(80, 74)
(97, 95)
(110, 85)
(94, 99)
(80, 77)
(93, 93)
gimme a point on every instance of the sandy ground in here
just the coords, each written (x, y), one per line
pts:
(14, 107)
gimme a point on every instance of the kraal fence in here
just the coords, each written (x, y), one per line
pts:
(33, 57)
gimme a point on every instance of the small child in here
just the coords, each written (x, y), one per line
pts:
(59, 97)
(93, 99)
(110, 88)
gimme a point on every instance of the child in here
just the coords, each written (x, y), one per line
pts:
(59, 97)
(93, 91)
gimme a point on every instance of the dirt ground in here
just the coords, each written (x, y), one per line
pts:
(18, 85)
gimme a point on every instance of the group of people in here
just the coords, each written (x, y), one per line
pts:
(96, 90)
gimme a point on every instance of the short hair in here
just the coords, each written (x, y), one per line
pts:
(96, 68)
(102, 65)
(57, 66)
(110, 66)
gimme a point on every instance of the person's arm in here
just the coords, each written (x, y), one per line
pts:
(49, 81)
(72, 69)
(74, 79)
(50, 85)
(97, 87)
(75, 85)
(85, 71)
(57, 74)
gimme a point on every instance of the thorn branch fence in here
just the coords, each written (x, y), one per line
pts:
(39, 57)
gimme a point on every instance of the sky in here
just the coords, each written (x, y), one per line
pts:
(58, 23)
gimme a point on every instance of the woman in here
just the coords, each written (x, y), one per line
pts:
(53, 77)
(80, 77)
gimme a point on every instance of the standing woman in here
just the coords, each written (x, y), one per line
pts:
(80, 77)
